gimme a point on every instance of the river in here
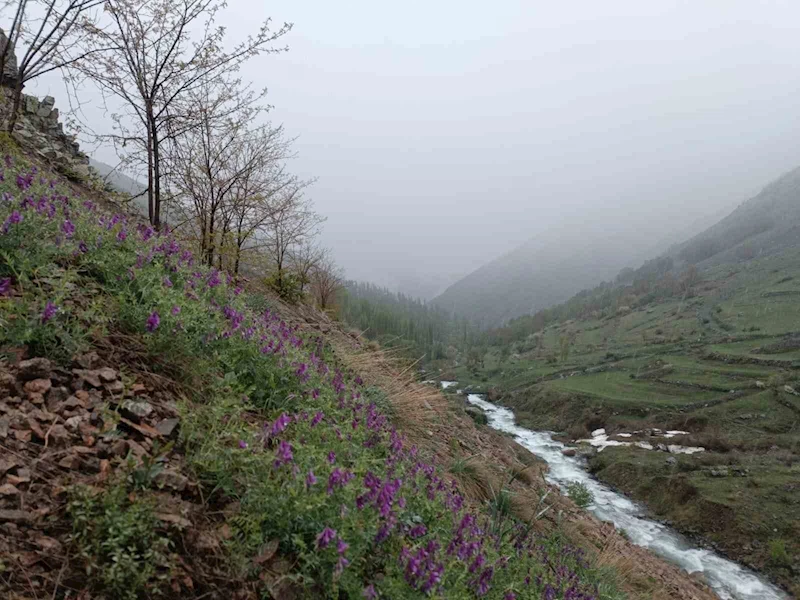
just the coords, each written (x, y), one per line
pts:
(729, 580)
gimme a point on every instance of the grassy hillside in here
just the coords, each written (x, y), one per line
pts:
(166, 433)
(721, 362)
(769, 223)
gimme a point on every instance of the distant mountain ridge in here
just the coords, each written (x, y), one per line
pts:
(121, 183)
(541, 273)
(765, 224)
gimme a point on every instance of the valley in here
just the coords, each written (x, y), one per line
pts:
(721, 364)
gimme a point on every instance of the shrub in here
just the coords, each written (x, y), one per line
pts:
(116, 537)
(580, 494)
(778, 555)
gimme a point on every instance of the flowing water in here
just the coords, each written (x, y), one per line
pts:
(730, 580)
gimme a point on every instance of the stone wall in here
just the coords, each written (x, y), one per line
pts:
(38, 128)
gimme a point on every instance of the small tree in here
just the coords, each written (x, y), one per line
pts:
(326, 281)
(228, 173)
(291, 225)
(159, 53)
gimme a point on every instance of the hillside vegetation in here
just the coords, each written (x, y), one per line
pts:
(166, 433)
(704, 339)
(715, 353)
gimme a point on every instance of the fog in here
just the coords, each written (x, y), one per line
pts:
(443, 134)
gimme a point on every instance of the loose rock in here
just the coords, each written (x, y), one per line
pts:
(34, 368)
(136, 410)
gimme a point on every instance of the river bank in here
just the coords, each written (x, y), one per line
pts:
(728, 579)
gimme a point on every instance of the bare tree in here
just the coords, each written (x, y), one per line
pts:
(304, 259)
(326, 281)
(291, 225)
(160, 53)
(228, 173)
(50, 33)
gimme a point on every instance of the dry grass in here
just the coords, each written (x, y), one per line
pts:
(484, 461)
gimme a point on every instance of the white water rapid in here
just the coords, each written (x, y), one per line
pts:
(729, 580)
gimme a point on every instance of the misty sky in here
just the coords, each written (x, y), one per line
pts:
(446, 133)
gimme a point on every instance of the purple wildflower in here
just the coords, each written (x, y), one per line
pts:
(122, 235)
(342, 546)
(417, 531)
(242, 444)
(12, 219)
(484, 581)
(5, 285)
(49, 311)
(340, 565)
(167, 282)
(175, 310)
(331, 457)
(24, 181)
(325, 537)
(213, 279)
(68, 228)
(311, 479)
(369, 592)
(338, 478)
(280, 425)
(283, 454)
(153, 321)
(83, 247)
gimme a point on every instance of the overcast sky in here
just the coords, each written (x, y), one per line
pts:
(444, 133)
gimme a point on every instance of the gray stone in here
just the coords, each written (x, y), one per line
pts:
(31, 104)
(107, 374)
(90, 377)
(34, 368)
(46, 106)
(167, 427)
(88, 360)
(171, 479)
(135, 410)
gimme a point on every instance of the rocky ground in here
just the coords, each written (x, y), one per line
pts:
(87, 425)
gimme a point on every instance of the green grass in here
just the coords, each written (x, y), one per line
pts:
(620, 388)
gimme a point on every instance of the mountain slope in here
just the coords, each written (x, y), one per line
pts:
(548, 270)
(765, 224)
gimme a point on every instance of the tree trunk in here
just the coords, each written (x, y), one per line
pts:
(156, 180)
(210, 248)
(17, 95)
(150, 201)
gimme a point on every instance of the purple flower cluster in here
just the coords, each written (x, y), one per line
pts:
(423, 568)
